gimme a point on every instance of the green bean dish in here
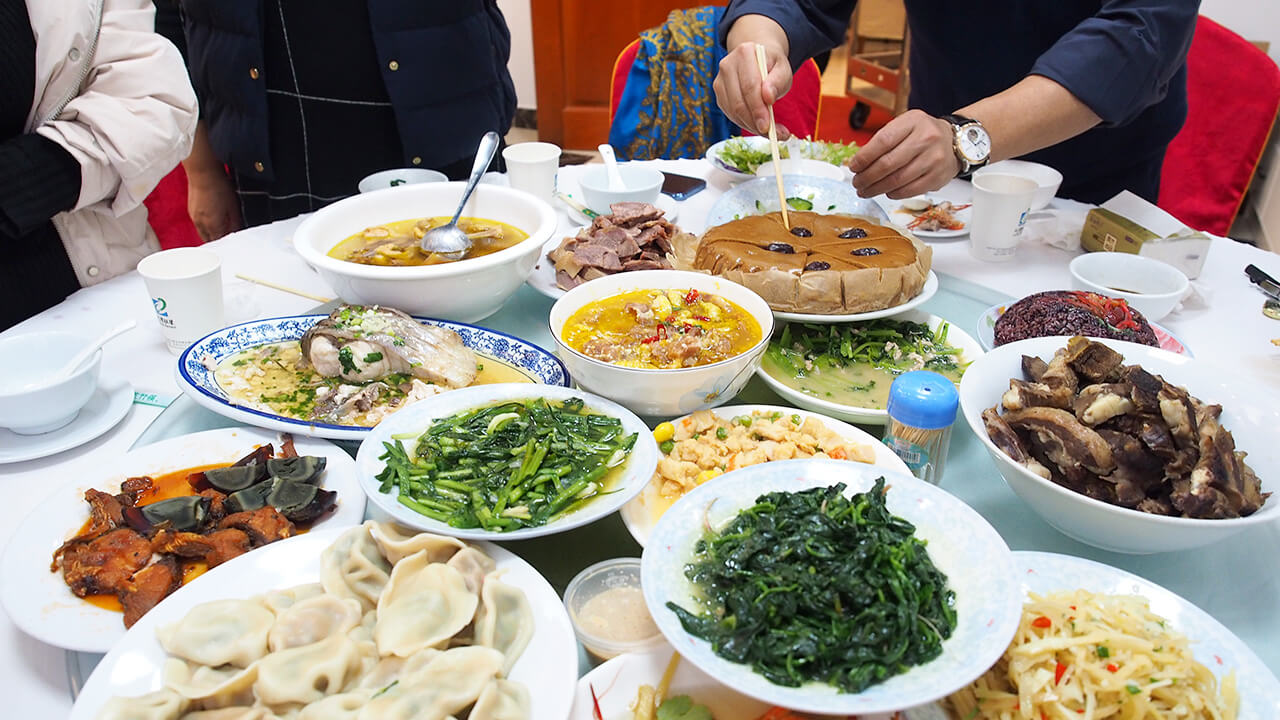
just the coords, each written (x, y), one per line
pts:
(813, 586)
(510, 466)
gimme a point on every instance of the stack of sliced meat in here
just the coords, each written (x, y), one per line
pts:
(634, 236)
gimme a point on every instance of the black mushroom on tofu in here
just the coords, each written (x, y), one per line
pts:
(1123, 435)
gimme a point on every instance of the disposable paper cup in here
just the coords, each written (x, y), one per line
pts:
(1000, 207)
(532, 167)
(185, 285)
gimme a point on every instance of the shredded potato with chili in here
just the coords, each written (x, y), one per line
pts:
(1083, 655)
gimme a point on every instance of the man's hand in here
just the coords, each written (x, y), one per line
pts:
(740, 93)
(912, 154)
(212, 204)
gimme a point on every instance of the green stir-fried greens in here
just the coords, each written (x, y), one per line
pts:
(740, 153)
(812, 586)
(510, 466)
(895, 345)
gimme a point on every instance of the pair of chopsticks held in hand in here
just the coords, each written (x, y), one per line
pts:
(773, 141)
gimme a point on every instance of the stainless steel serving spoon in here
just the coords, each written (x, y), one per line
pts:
(448, 240)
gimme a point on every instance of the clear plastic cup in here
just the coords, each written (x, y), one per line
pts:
(606, 606)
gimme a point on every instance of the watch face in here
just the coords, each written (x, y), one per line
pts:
(974, 143)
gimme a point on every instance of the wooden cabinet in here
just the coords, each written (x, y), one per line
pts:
(575, 43)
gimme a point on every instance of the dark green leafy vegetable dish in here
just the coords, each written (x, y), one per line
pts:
(854, 364)
(509, 466)
(813, 586)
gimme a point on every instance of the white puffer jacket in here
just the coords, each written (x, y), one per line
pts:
(117, 97)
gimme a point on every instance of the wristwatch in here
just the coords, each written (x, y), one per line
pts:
(971, 143)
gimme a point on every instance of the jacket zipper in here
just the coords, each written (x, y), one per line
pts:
(84, 69)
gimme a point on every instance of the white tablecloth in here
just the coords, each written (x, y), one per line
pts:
(1228, 331)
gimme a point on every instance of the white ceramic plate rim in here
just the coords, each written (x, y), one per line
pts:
(986, 329)
(419, 416)
(928, 291)
(108, 405)
(39, 602)
(713, 157)
(897, 215)
(548, 666)
(929, 508)
(969, 348)
(636, 518)
(261, 418)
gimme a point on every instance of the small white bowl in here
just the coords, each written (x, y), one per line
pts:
(643, 185)
(466, 290)
(31, 401)
(1047, 179)
(662, 393)
(400, 176)
(1249, 413)
(1152, 287)
(807, 167)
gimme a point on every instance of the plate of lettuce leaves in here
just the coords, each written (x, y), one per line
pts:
(740, 156)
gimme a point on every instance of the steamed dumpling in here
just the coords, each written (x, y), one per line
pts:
(345, 706)
(474, 565)
(353, 567)
(277, 601)
(313, 620)
(445, 686)
(423, 606)
(504, 621)
(502, 700)
(308, 673)
(222, 632)
(162, 704)
(397, 543)
(209, 687)
(232, 713)
(390, 669)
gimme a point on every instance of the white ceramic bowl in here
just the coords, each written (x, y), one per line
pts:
(1046, 178)
(400, 176)
(643, 185)
(1152, 287)
(1248, 412)
(662, 393)
(807, 166)
(31, 401)
(466, 290)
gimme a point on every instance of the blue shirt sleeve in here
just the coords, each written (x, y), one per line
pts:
(1120, 61)
(812, 26)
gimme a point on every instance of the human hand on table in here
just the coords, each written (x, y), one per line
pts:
(212, 204)
(740, 93)
(911, 155)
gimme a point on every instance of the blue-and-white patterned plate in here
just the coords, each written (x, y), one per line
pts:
(758, 196)
(988, 596)
(195, 374)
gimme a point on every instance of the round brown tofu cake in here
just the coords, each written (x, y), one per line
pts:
(826, 264)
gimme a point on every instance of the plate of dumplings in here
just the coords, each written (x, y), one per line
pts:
(356, 623)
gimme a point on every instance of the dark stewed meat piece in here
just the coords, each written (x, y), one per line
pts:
(264, 525)
(105, 564)
(148, 587)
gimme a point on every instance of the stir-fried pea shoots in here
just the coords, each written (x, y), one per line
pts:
(894, 345)
(509, 466)
(814, 586)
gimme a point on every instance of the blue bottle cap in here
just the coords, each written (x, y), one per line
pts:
(923, 399)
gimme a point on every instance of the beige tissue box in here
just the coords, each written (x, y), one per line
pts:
(1127, 223)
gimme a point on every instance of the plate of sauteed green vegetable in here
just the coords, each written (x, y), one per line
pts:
(506, 461)
(739, 157)
(831, 587)
(845, 370)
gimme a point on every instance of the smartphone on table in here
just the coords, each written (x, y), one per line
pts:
(681, 187)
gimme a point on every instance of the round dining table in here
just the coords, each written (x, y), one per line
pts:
(1236, 580)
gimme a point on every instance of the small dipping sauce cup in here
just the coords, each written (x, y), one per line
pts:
(607, 609)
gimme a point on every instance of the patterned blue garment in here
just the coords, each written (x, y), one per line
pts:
(668, 109)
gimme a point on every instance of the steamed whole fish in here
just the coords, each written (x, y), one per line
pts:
(364, 343)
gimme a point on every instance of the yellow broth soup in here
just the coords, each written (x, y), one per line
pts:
(398, 243)
(661, 329)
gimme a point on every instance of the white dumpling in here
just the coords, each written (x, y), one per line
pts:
(502, 700)
(308, 673)
(504, 621)
(364, 631)
(353, 567)
(474, 565)
(222, 632)
(277, 601)
(446, 685)
(345, 706)
(232, 713)
(423, 606)
(210, 688)
(312, 620)
(398, 542)
(162, 704)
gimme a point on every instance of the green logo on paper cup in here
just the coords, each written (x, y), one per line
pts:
(160, 306)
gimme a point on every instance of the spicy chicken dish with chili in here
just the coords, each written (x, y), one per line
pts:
(661, 329)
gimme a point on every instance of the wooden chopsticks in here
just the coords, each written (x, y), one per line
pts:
(773, 141)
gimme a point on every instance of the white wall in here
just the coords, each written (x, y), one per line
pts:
(519, 20)
(1251, 19)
